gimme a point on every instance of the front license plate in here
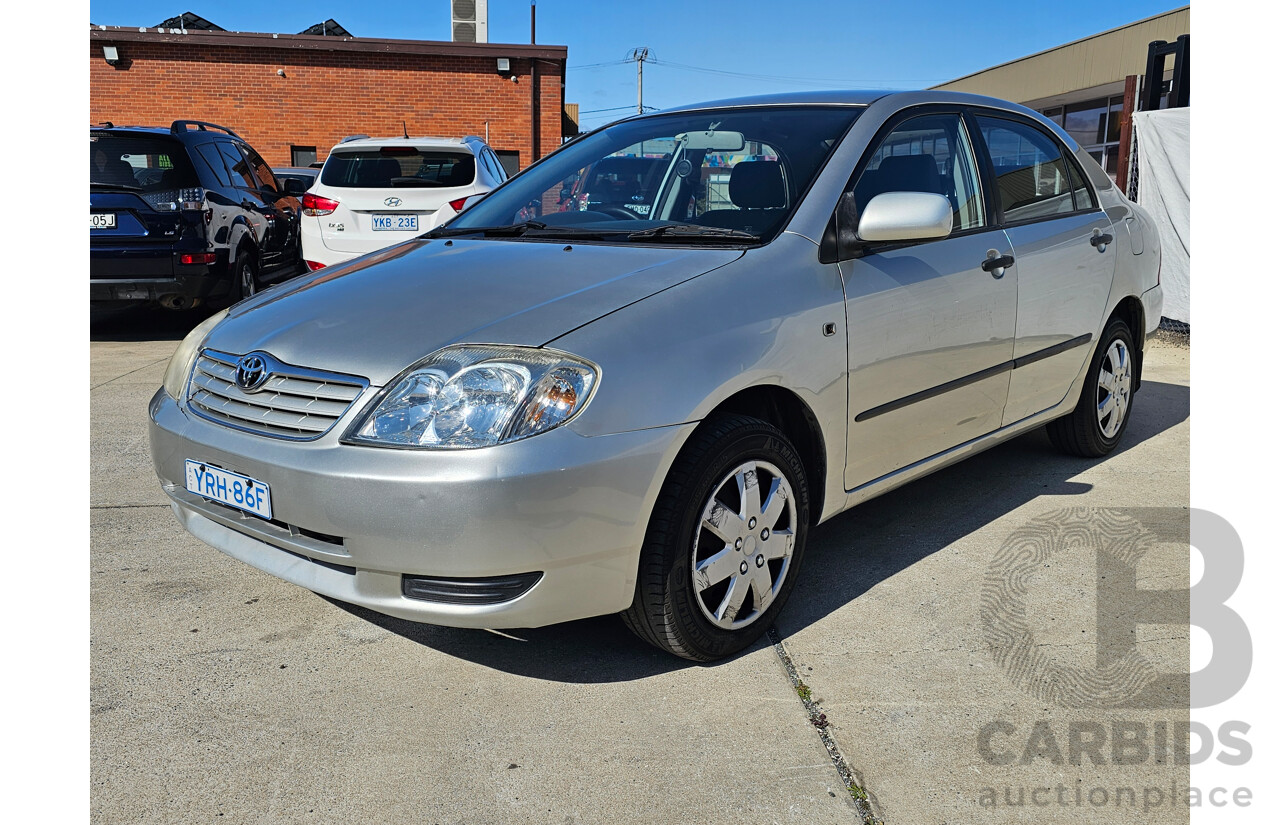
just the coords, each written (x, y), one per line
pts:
(232, 489)
(401, 223)
(102, 220)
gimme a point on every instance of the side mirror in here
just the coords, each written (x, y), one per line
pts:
(293, 186)
(905, 216)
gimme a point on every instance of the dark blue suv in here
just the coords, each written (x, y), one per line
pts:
(184, 216)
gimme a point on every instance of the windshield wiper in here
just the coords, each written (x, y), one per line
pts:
(692, 233)
(508, 231)
(116, 187)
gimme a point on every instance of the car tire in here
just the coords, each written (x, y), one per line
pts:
(1102, 414)
(699, 593)
(245, 273)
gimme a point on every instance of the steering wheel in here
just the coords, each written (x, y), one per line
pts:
(617, 212)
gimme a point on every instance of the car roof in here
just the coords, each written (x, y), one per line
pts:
(295, 170)
(864, 97)
(827, 98)
(417, 142)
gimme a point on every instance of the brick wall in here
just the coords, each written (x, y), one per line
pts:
(324, 95)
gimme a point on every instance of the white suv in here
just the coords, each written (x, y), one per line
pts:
(375, 192)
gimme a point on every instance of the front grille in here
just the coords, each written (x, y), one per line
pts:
(294, 402)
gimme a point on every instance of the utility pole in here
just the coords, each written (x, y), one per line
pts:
(639, 56)
(533, 22)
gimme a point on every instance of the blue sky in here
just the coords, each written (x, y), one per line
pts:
(745, 47)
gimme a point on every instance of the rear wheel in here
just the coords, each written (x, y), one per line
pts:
(724, 542)
(245, 272)
(1099, 420)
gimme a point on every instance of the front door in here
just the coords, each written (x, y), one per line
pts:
(930, 331)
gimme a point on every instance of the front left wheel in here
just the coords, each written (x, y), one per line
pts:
(724, 542)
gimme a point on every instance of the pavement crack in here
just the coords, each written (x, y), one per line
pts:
(130, 372)
(125, 506)
(853, 782)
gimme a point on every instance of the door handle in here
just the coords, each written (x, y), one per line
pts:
(1100, 240)
(996, 265)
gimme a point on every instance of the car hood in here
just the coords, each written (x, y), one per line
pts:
(378, 314)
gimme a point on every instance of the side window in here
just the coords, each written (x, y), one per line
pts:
(241, 177)
(208, 154)
(261, 170)
(1031, 177)
(499, 173)
(1079, 189)
(930, 153)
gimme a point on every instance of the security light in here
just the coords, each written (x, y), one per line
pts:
(504, 65)
(111, 55)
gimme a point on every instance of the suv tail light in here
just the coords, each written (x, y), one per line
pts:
(314, 265)
(314, 205)
(192, 199)
(459, 203)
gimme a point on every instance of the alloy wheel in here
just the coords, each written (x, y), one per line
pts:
(1115, 382)
(743, 546)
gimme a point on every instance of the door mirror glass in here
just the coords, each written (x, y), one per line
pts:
(905, 216)
(293, 186)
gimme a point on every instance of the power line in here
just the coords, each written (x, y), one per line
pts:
(599, 65)
(614, 109)
(828, 81)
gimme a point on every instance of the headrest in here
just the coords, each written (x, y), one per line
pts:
(757, 184)
(909, 173)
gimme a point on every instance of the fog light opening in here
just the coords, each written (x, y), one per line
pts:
(488, 590)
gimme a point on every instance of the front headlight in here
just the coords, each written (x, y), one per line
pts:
(175, 375)
(477, 396)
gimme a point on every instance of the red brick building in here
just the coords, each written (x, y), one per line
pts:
(291, 94)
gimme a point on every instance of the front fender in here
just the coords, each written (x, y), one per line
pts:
(673, 357)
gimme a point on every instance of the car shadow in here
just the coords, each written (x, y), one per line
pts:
(144, 323)
(845, 557)
(588, 651)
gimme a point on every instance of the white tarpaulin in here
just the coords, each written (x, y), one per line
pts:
(1164, 188)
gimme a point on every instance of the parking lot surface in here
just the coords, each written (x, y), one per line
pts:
(219, 693)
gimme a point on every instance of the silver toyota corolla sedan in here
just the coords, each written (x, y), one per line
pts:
(547, 410)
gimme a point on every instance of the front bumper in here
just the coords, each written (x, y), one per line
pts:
(351, 521)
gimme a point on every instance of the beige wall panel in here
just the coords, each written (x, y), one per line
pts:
(1103, 58)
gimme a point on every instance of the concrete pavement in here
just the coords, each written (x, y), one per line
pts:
(219, 693)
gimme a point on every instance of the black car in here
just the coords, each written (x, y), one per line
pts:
(184, 216)
(297, 176)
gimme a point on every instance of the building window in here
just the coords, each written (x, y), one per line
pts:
(509, 160)
(303, 155)
(1095, 125)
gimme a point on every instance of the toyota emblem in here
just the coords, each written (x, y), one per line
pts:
(392, 201)
(251, 372)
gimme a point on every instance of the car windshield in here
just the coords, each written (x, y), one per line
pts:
(393, 166)
(139, 163)
(727, 176)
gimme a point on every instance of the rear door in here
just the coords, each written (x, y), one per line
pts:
(930, 331)
(280, 209)
(247, 200)
(1064, 265)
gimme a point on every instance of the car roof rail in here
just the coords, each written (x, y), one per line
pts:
(106, 124)
(350, 138)
(180, 126)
